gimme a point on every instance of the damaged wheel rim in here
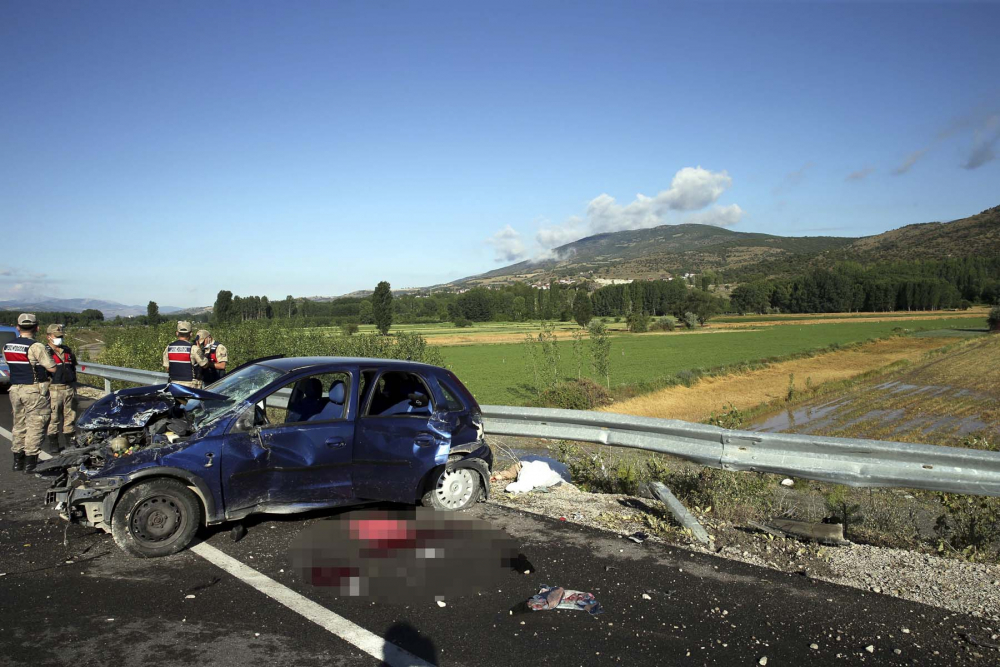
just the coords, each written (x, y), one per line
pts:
(455, 487)
(156, 520)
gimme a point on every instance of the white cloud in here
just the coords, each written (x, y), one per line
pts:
(718, 216)
(691, 189)
(508, 245)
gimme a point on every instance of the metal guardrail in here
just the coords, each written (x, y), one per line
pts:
(850, 461)
(110, 373)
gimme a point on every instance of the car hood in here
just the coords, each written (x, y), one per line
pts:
(136, 406)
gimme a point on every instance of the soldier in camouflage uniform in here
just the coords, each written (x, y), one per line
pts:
(184, 360)
(218, 356)
(30, 366)
(62, 392)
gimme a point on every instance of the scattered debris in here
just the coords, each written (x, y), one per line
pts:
(870, 648)
(441, 603)
(762, 661)
(824, 533)
(814, 647)
(789, 482)
(647, 596)
(238, 532)
(189, 597)
(556, 597)
(639, 537)
(680, 512)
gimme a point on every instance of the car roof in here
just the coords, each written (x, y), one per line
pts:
(289, 364)
(6, 328)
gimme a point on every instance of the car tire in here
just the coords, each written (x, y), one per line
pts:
(156, 518)
(453, 489)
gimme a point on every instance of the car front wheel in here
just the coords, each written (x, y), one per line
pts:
(156, 518)
(453, 489)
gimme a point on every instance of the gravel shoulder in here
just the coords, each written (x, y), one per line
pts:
(969, 588)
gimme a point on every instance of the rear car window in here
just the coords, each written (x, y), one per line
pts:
(399, 394)
(451, 401)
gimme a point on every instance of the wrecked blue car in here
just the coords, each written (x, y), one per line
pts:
(153, 464)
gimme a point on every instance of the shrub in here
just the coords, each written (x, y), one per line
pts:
(637, 322)
(970, 525)
(994, 319)
(663, 324)
(462, 323)
(580, 394)
(349, 328)
(964, 304)
(690, 320)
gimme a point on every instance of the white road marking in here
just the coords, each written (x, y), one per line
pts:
(7, 434)
(350, 632)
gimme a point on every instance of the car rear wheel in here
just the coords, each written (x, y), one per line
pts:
(156, 518)
(454, 489)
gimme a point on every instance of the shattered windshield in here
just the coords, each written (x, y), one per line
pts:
(238, 386)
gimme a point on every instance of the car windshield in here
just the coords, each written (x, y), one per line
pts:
(238, 387)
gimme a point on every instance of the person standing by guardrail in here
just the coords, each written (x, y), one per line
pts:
(217, 355)
(62, 392)
(184, 360)
(30, 366)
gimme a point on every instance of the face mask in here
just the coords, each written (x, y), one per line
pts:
(57, 341)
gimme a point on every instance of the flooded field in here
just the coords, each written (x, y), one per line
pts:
(951, 399)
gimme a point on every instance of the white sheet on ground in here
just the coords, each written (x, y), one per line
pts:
(534, 475)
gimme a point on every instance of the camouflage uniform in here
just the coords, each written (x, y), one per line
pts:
(62, 392)
(29, 392)
(216, 353)
(179, 354)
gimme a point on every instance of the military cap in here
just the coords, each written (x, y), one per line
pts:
(203, 334)
(27, 320)
(55, 329)
(183, 327)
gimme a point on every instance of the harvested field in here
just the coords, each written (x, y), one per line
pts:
(947, 399)
(749, 390)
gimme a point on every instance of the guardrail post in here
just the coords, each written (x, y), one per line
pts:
(107, 386)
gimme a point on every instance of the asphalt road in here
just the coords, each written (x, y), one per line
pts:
(86, 602)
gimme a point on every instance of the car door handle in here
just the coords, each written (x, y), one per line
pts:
(424, 439)
(336, 442)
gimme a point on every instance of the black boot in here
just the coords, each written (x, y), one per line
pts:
(18, 461)
(29, 464)
(51, 445)
(70, 439)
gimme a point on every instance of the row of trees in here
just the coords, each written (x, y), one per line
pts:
(88, 317)
(850, 287)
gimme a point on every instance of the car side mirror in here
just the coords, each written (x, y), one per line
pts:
(418, 400)
(245, 422)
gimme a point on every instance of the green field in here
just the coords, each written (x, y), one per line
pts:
(750, 319)
(499, 374)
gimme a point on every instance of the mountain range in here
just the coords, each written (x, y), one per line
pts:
(111, 309)
(668, 250)
(660, 252)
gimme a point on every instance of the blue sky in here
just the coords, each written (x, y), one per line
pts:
(166, 151)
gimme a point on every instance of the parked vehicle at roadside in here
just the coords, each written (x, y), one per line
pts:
(7, 334)
(277, 435)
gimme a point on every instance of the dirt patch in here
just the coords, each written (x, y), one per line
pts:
(875, 317)
(753, 388)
